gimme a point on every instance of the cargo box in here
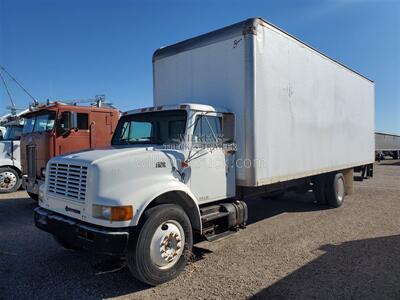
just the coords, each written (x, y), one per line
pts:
(298, 112)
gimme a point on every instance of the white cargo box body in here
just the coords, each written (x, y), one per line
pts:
(298, 112)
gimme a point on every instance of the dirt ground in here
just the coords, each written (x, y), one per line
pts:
(292, 249)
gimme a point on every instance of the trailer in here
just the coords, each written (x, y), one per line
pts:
(387, 144)
(243, 111)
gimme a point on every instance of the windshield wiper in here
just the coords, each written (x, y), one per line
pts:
(142, 140)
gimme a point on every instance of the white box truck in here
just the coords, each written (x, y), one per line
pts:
(242, 111)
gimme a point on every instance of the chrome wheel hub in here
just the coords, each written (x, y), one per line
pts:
(340, 189)
(7, 180)
(167, 244)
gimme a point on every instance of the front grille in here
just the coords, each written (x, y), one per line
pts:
(31, 157)
(68, 180)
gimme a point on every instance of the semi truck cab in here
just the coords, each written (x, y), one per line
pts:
(10, 164)
(55, 129)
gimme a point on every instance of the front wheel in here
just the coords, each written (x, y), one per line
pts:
(10, 181)
(162, 246)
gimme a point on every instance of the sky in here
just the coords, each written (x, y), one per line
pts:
(68, 49)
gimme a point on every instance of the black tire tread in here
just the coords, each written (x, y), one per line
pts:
(320, 190)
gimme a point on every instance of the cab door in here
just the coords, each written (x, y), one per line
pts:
(212, 170)
(72, 139)
(101, 128)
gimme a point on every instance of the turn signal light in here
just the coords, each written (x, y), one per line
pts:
(113, 213)
(121, 213)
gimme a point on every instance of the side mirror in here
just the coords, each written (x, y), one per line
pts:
(68, 122)
(73, 120)
(228, 128)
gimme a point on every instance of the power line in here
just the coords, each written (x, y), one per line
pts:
(8, 93)
(15, 80)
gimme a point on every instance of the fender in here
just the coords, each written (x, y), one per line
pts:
(4, 162)
(157, 189)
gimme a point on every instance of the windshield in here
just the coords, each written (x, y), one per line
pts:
(39, 123)
(159, 127)
(13, 133)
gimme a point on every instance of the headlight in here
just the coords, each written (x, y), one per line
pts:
(43, 172)
(106, 212)
(41, 192)
(113, 213)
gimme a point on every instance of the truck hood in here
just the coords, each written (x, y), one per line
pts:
(114, 172)
(93, 156)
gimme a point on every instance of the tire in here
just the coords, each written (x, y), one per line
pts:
(320, 190)
(335, 189)
(10, 181)
(395, 155)
(161, 224)
(65, 244)
(33, 196)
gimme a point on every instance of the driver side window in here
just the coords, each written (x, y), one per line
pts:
(207, 129)
(64, 121)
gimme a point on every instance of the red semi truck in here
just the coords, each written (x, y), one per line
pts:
(56, 129)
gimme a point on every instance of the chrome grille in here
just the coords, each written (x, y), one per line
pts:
(68, 180)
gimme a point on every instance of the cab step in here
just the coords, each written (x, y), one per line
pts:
(220, 220)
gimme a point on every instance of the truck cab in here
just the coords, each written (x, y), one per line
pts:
(180, 155)
(10, 164)
(55, 129)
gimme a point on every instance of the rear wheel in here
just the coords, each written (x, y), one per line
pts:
(162, 246)
(10, 181)
(335, 189)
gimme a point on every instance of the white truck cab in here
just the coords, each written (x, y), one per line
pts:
(290, 119)
(10, 158)
(154, 151)
(181, 155)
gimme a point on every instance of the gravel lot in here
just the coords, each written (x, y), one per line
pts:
(291, 249)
